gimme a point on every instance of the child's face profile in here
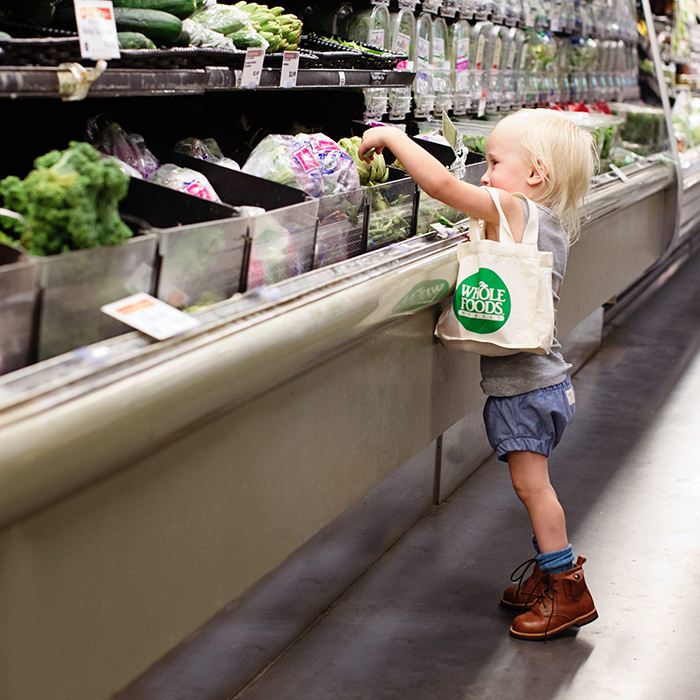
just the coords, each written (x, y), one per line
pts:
(508, 166)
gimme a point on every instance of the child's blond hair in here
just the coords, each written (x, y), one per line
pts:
(564, 155)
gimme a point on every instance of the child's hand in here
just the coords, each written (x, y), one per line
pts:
(374, 140)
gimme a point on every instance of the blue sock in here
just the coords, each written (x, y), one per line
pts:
(557, 562)
(535, 545)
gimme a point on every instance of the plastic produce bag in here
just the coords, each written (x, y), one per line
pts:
(207, 38)
(205, 149)
(184, 180)
(313, 163)
(109, 138)
(222, 18)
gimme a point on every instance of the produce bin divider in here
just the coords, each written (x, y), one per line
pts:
(19, 309)
(237, 188)
(163, 207)
(74, 285)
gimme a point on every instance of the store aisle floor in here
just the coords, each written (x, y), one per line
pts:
(425, 623)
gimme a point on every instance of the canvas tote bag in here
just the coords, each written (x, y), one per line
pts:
(503, 302)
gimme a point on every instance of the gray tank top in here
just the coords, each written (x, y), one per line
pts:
(525, 371)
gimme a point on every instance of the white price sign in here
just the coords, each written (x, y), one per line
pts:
(290, 69)
(150, 316)
(252, 68)
(97, 29)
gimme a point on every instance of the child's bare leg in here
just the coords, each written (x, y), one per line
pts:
(529, 474)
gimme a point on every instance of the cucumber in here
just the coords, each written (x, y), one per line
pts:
(160, 27)
(134, 40)
(180, 8)
(245, 39)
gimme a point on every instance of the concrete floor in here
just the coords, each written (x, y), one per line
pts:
(425, 623)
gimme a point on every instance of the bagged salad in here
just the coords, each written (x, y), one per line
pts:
(184, 180)
(109, 138)
(313, 163)
(207, 150)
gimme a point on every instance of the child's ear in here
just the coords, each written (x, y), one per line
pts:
(537, 175)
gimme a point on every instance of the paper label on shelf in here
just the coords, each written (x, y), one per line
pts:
(423, 50)
(408, 4)
(482, 103)
(511, 56)
(150, 316)
(480, 43)
(252, 68)
(385, 3)
(497, 53)
(376, 38)
(402, 43)
(97, 29)
(623, 176)
(462, 62)
(290, 69)
(449, 131)
(523, 56)
(438, 53)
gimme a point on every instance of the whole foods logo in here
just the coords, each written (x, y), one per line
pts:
(482, 302)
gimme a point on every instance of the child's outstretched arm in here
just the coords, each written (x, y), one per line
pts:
(431, 175)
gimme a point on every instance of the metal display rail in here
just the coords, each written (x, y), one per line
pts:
(47, 82)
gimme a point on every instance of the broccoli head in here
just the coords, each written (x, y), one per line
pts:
(69, 201)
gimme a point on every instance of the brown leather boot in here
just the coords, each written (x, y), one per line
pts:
(562, 601)
(524, 595)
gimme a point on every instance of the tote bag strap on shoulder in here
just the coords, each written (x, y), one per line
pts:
(531, 233)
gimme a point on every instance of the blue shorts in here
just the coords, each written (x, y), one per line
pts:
(532, 422)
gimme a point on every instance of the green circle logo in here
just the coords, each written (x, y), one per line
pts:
(482, 302)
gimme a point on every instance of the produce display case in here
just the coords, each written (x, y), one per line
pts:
(341, 225)
(282, 243)
(392, 211)
(242, 434)
(19, 290)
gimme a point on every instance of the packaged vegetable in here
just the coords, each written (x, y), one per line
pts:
(184, 180)
(222, 18)
(313, 163)
(207, 38)
(205, 149)
(109, 138)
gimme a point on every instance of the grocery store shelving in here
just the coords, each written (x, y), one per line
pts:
(36, 81)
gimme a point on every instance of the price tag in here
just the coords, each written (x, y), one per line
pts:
(252, 68)
(290, 69)
(376, 38)
(482, 103)
(481, 42)
(97, 29)
(449, 131)
(150, 316)
(438, 52)
(463, 54)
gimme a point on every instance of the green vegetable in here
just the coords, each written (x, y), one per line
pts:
(245, 39)
(371, 171)
(134, 40)
(180, 8)
(161, 27)
(221, 18)
(69, 202)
